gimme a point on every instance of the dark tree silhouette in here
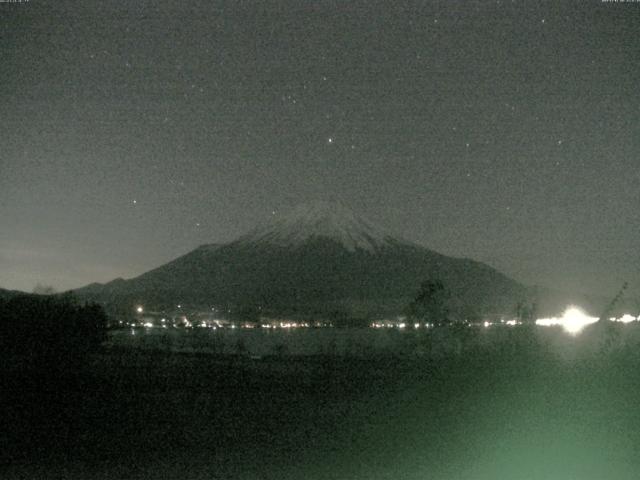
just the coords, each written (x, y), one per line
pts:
(50, 330)
(608, 311)
(430, 304)
(526, 312)
(41, 289)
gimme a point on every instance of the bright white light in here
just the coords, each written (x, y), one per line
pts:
(139, 309)
(573, 320)
(626, 318)
(148, 324)
(486, 324)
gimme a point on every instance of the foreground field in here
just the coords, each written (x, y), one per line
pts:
(512, 413)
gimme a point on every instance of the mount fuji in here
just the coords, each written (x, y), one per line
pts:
(317, 260)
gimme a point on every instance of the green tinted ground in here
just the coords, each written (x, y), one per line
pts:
(134, 415)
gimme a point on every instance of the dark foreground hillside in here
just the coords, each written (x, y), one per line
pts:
(126, 414)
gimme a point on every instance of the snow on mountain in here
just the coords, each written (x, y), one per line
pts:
(326, 220)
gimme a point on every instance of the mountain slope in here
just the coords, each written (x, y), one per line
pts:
(317, 259)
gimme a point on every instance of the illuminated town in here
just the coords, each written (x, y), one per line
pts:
(572, 321)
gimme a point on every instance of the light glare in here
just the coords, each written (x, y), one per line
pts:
(573, 320)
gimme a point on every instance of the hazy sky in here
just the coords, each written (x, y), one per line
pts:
(133, 131)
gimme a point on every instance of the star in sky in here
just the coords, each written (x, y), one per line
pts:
(270, 91)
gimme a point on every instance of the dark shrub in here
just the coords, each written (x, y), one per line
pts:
(50, 330)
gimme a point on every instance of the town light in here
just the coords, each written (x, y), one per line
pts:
(573, 320)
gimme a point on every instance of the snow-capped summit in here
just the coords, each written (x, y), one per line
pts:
(328, 220)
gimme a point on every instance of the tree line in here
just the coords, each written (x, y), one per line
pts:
(50, 329)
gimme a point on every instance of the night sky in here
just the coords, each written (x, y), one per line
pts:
(134, 131)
